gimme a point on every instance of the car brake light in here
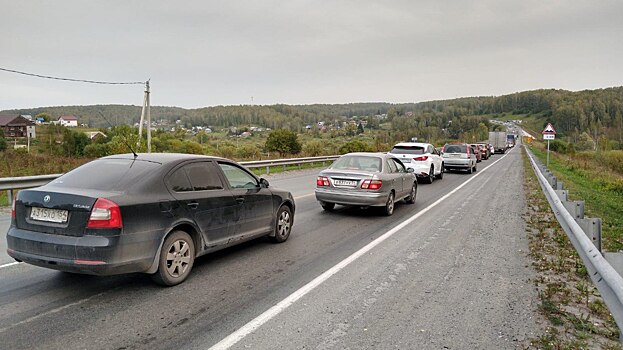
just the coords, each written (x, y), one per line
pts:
(371, 184)
(13, 209)
(322, 181)
(422, 158)
(105, 214)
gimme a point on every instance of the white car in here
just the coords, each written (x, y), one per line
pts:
(423, 158)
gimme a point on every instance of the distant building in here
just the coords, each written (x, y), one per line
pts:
(68, 121)
(15, 125)
(93, 135)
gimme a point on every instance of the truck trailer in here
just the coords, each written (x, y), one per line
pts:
(498, 140)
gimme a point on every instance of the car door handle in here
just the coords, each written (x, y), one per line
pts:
(193, 205)
(240, 200)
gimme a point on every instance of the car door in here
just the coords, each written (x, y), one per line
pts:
(395, 177)
(255, 201)
(198, 187)
(405, 177)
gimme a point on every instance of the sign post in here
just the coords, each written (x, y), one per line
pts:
(548, 134)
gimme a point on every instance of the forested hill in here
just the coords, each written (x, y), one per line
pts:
(571, 112)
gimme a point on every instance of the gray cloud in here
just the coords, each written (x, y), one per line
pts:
(201, 53)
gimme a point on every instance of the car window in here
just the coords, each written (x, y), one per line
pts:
(454, 149)
(203, 176)
(407, 150)
(392, 166)
(237, 177)
(107, 174)
(399, 166)
(366, 163)
(178, 181)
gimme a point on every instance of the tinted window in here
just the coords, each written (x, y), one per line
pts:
(357, 163)
(392, 166)
(107, 174)
(399, 166)
(407, 150)
(237, 177)
(178, 181)
(203, 176)
(455, 149)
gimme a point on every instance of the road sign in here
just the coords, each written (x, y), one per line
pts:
(549, 136)
(549, 129)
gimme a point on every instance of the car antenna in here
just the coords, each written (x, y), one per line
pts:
(124, 139)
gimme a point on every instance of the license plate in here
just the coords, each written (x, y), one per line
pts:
(455, 155)
(50, 215)
(345, 183)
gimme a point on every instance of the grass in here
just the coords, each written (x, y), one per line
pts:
(601, 190)
(280, 168)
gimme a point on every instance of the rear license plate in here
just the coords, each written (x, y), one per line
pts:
(455, 155)
(345, 183)
(49, 215)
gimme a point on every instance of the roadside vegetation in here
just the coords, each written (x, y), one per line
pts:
(576, 316)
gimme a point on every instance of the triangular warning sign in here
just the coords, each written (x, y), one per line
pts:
(549, 129)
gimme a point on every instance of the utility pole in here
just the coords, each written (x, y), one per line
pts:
(145, 112)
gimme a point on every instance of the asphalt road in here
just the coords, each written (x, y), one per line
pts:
(456, 276)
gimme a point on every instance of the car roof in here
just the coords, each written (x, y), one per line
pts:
(162, 158)
(373, 154)
(420, 144)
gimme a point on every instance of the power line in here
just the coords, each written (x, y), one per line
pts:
(76, 80)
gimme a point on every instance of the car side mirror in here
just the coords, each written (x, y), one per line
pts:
(410, 170)
(264, 183)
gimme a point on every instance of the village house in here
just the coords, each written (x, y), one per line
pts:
(68, 121)
(15, 125)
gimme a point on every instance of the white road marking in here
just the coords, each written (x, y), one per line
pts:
(303, 196)
(257, 322)
(9, 264)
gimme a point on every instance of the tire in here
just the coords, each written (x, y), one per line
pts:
(177, 257)
(440, 176)
(327, 206)
(411, 198)
(431, 175)
(389, 206)
(475, 168)
(471, 169)
(283, 225)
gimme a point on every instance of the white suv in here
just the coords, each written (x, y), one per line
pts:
(423, 158)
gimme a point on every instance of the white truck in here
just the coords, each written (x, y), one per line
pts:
(498, 140)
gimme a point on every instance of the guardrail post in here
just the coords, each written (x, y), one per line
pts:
(284, 167)
(592, 229)
(267, 170)
(575, 208)
(559, 185)
(9, 194)
(563, 195)
(615, 259)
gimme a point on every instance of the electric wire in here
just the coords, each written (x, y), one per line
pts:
(75, 80)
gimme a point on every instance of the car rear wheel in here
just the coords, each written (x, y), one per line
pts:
(177, 257)
(471, 169)
(389, 206)
(475, 168)
(431, 175)
(327, 206)
(412, 195)
(283, 225)
(440, 176)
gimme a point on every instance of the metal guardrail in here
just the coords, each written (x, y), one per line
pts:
(604, 276)
(16, 183)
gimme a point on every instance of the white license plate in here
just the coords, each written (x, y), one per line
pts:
(455, 155)
(50, 215)
(345, 183)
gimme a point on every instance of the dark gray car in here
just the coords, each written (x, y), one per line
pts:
(366, 179)
(151, 213)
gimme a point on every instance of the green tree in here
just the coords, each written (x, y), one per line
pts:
(283, 141)
(46, 117)
(355, 146)
(359, 128)
(74, 143)
(2, 141)
(313, 148)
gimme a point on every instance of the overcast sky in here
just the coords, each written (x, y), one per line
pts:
(206, 53)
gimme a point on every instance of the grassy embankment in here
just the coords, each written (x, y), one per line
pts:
(596, 178)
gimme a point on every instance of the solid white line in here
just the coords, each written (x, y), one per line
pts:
(254, 324)
(303, 196)
(9, 264)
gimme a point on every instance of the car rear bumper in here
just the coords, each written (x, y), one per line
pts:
(351, 198)
(420, 170)
(450, 163)
(95, 255)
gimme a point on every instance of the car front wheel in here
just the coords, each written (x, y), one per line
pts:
(283, 225)
(176, 259)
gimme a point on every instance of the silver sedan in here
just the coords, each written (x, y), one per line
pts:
(366, 179)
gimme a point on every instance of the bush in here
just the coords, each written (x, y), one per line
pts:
(355, 146)
(558, 146)
(283, 141)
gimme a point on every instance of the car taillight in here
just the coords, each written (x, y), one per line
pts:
(322, 181)
(13, 209)
(371, 184)
(422, 158)
(105, 214)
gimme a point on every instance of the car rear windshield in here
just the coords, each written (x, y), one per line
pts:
(357, 163)
(407, 150)
(454, 149)
(107, 174)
